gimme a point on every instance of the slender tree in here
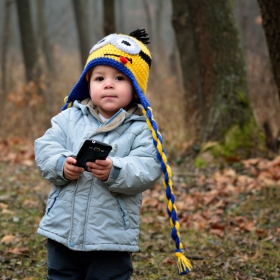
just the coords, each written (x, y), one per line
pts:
(213, 67)
(81, 17)
(148, 17)
(96, 18)
(109, 24)
(43, 37)
(4, 53)
(121, 9)
(158, 25)
(5, 44)
(271, 22)
(28, 42)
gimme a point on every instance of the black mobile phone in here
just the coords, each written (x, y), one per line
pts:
(92, 150)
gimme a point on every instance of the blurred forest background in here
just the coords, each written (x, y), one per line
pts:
(211, 81)
(214, 88)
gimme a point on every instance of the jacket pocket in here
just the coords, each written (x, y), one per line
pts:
(124, 212)
(52, 200)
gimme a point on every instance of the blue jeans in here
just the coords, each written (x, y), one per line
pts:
(64, 263)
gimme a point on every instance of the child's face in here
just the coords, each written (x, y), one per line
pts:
(110, 90)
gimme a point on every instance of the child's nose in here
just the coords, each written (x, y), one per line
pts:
(108, 83)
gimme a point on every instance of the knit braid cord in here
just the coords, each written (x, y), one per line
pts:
(184, 265)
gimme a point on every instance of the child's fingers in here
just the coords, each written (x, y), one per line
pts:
(75, 169)
(103, 163)
(100, 169)
(100, 174)
(91, 165)
(71, 160)
(73, 172)
(69, 165)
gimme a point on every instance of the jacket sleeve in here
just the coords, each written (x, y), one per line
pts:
(138, 171)
(51, 152)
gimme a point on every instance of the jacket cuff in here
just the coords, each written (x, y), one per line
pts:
(59, 167)
(114, 173)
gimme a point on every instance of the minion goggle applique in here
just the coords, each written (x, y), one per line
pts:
(127, 53)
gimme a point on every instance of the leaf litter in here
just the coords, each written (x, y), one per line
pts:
(229, 217)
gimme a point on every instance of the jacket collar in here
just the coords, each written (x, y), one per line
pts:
(135, 112)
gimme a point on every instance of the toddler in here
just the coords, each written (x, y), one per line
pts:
(92, 217)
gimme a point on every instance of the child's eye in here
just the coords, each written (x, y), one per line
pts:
(99, 79)
(120, 78)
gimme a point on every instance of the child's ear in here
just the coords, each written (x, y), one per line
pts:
(88, 77)
(88, 74)
(135, 98)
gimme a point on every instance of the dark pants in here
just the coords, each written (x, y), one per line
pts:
(64, 263)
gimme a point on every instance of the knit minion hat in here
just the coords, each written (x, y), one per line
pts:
(129, 55)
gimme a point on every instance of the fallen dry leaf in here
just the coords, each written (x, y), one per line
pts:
(260, 231)
(7, 211)
(30, 203)
(169, 261)
(269, 238)
(150, 202)
(28, 162)
(217, 232)
(3, 205)
(10, 239)
(248, 226)
(218, 226)
(253, 161)
(17, 251)
(276, 161)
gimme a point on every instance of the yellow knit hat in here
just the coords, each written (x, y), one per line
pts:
(127, 53)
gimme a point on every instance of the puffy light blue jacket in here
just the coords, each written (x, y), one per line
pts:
(90, 214)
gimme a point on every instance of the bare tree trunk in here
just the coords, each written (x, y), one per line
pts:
(158, 16)
(109, 24)
(43, 37)
(121, 7)
(213, 65)
(81, 17)
(270, 19)
(97, 18)
(28, 42)
(5, 44)
(184, 28)
(148, 17)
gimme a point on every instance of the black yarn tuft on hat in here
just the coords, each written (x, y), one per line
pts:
(140, 35)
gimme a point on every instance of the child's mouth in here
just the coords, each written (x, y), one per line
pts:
(109, 96)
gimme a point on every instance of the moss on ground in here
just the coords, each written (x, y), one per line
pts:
(238, 143)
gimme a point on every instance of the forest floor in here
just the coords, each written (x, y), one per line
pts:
(230, 221)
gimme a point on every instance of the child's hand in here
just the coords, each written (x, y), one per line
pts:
(70, 171)
(100, 169)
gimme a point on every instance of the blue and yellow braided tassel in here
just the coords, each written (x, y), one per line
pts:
(184, 265)
(70, 104)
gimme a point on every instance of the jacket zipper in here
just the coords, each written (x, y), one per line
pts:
(87, 213)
